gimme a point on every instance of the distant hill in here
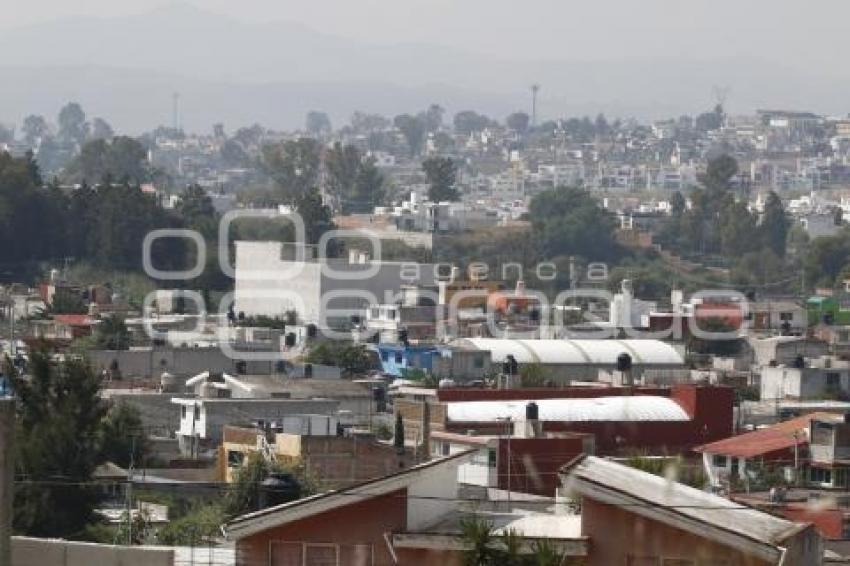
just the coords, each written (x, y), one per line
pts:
(125, 70)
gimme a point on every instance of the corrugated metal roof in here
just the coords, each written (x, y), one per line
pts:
(693, 503)
(781, 436)
(576, 352)
(626, 409)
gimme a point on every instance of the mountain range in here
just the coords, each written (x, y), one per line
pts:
(125, 69)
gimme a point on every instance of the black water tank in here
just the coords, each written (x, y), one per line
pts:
(624, 362)
(277, 489)
(532, 412)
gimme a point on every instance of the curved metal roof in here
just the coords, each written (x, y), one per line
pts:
(624, 408)
(577, 352)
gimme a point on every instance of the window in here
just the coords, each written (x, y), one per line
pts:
(444, 448)
(819, 475)
(197, 413)
(321, 555)
(642, 561)
(478, 362)
(183, 412)
(234, 458)
(491, 458)
(399, 357)
(355, 555)
(833, 382)
(286, 554)
(786, 316)
(719, 461)
(385, 356)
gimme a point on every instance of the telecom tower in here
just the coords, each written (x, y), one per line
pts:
(534, 90)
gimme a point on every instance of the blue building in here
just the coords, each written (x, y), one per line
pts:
(395, 359)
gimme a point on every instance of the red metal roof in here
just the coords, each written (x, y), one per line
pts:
(780, 436)
(74, 319)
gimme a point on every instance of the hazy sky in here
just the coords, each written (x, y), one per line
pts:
(811, 32)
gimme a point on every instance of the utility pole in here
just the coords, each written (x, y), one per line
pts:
(535, 88)
(7, 469)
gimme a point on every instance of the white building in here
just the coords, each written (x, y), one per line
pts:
(325, 292)
(804, 383)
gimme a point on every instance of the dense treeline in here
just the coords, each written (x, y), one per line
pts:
(103, 224)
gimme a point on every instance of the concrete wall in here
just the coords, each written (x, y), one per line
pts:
(48, 552)
(152, 362)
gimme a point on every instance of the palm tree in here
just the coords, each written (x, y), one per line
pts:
(480, 538)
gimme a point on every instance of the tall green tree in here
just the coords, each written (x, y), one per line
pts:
(342, 163)
(317, 217)
(569, 221)
(73, 127)
(774, 225)
(59, 414)
(413, 129)
(294, 166)
(112, 334)
(433, 117)
(318, 123)
(34, 128)
(442, 176)
(469, 121)
(123, 439)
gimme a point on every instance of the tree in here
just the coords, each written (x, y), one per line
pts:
(441, 173)
(123, 438)
(318, 123)
(413, 130)
(294, 166)
(678, 205)
(362, 122)
(518, 122)
(468, 121)
(122, 158)
(368, 187)
(569, 221)
(352, 359)
(233, 154)
(112, 334)
(317, 217)
(342, 163)
(34, 128)
(480, 538)
(433, 117)
(774, 225)
(59, 414)
(398, 436)
(100, 129)
(198, 213)
(709, 121)
(73, 127)
(533, 375)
